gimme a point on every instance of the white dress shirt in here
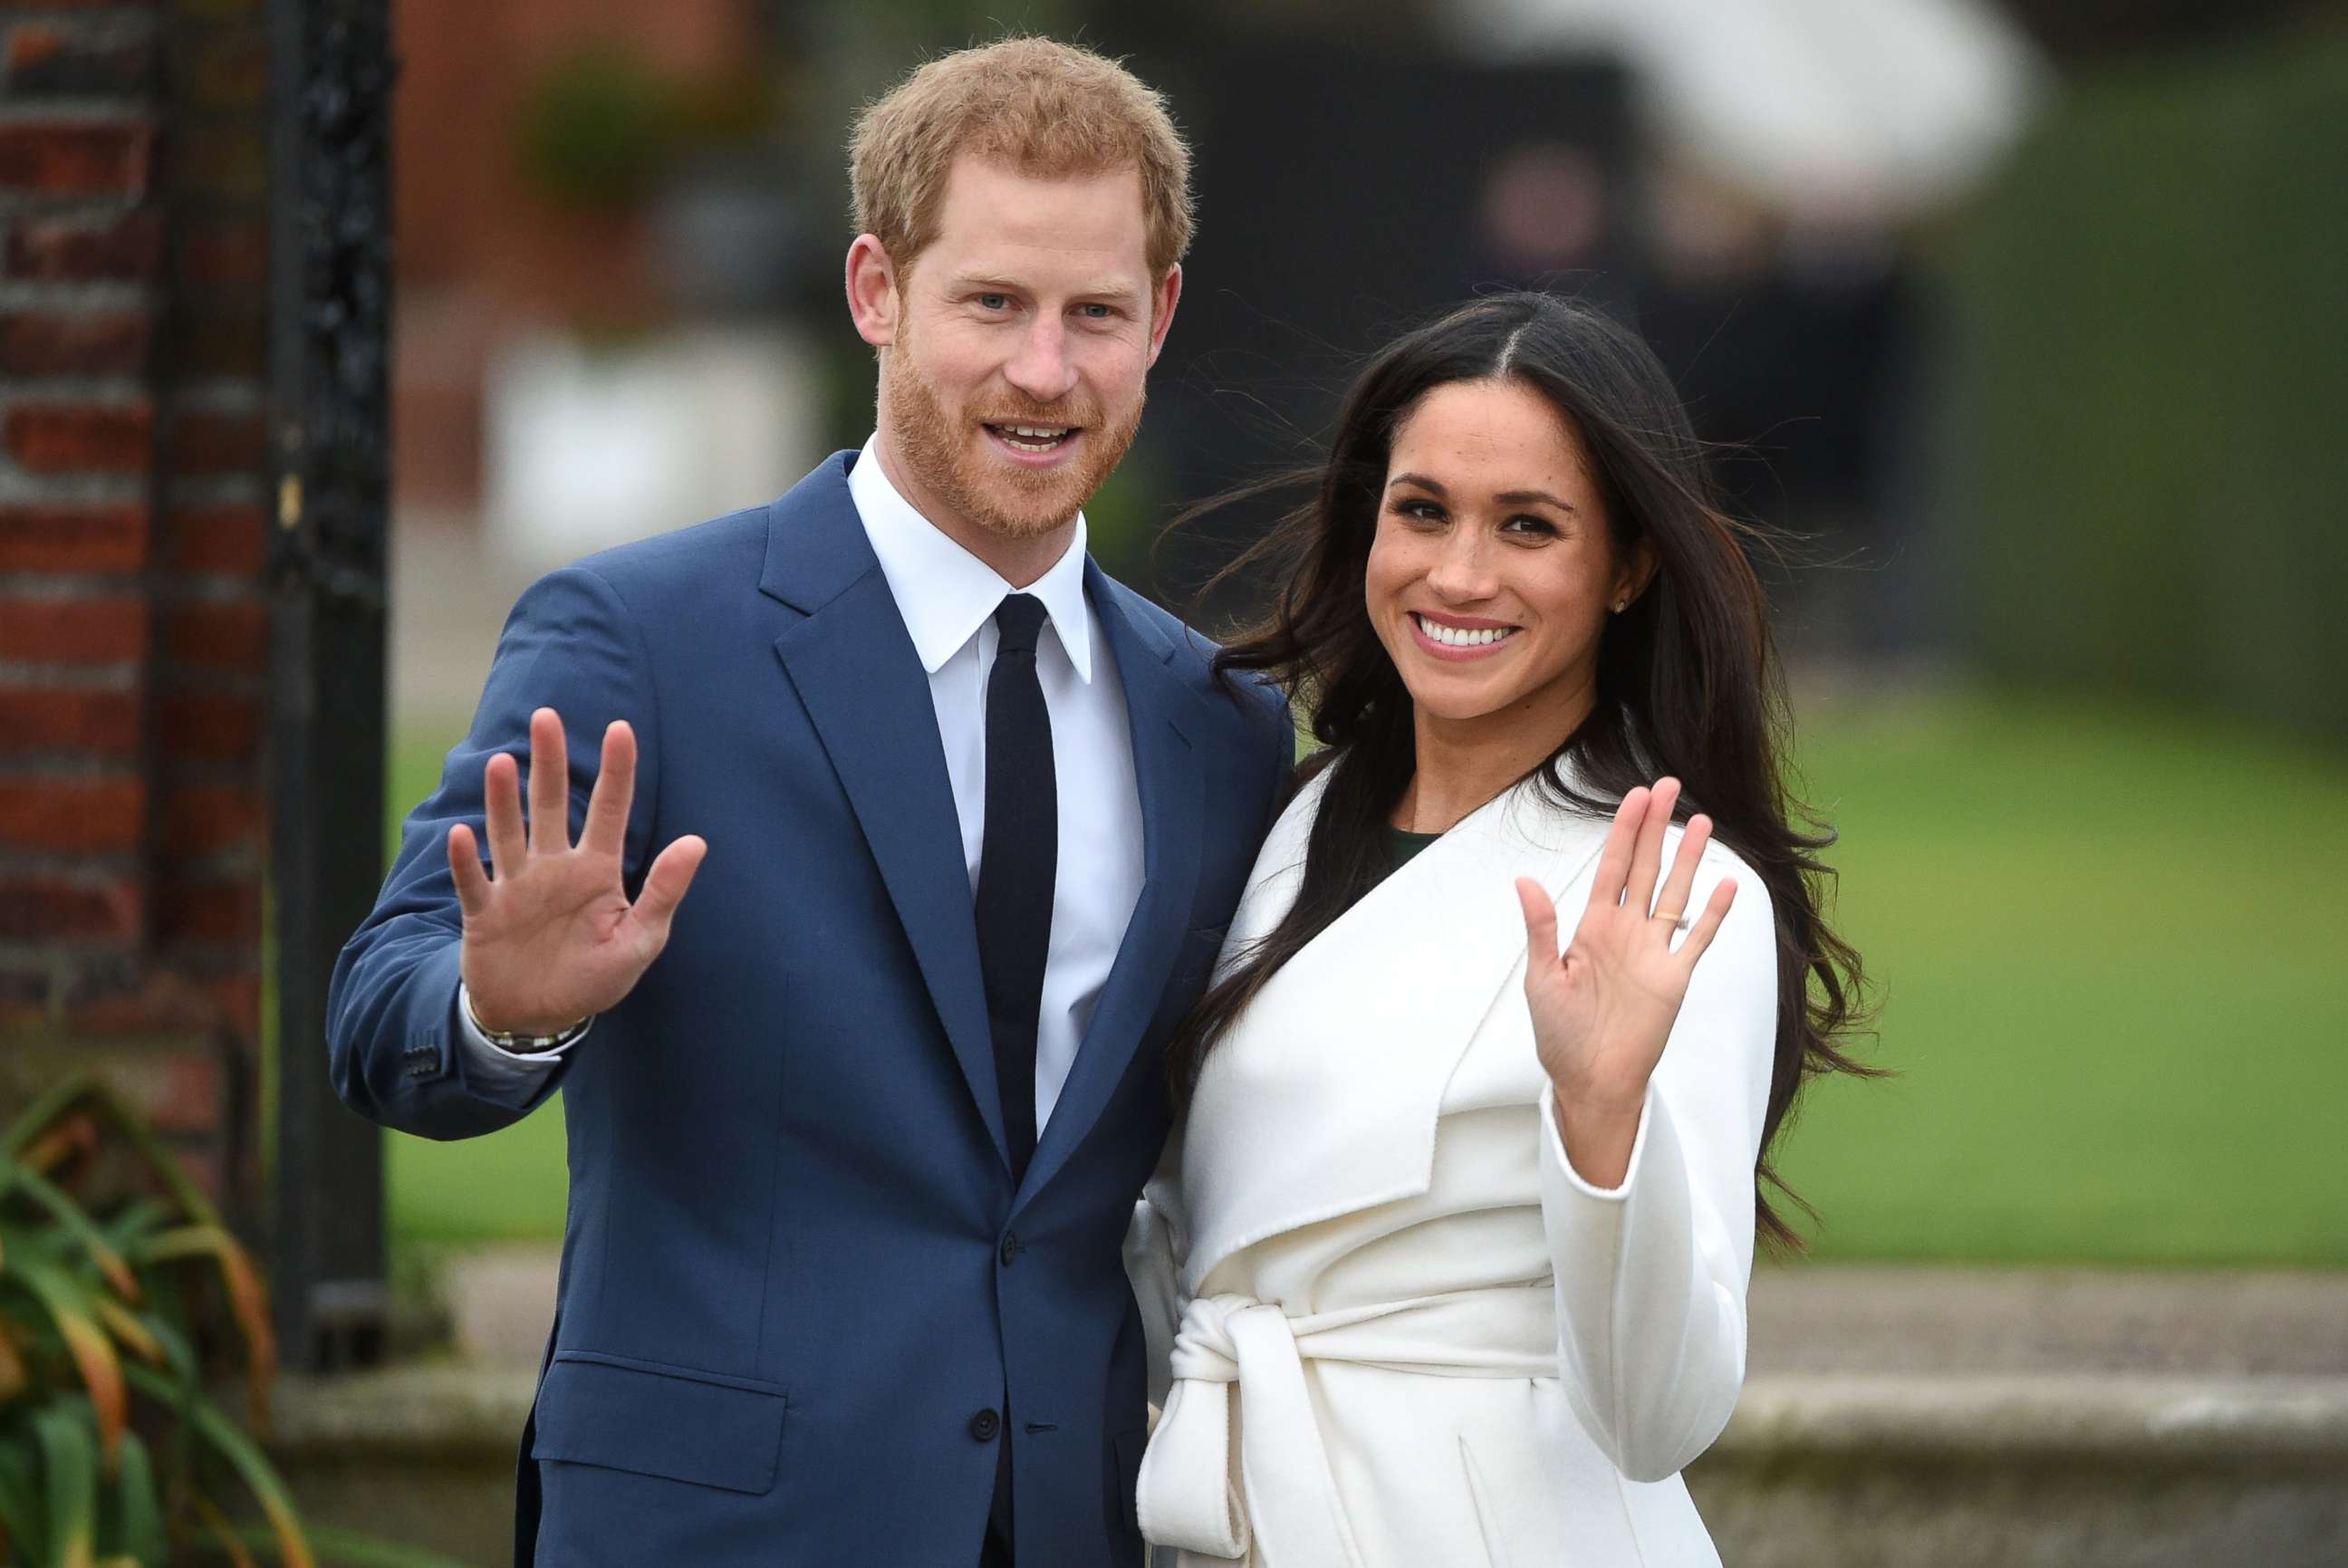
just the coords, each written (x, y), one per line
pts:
(948, 598)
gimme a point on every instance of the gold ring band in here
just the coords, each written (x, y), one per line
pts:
(1674, 919)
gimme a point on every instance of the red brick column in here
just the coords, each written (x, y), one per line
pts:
(133, 531)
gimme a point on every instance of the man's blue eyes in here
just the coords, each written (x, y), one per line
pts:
(1002, 302)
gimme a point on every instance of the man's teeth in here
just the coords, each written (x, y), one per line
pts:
(1459, 636)
(1034, 438)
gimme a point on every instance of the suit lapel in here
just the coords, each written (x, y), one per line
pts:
(863, 686)
(1158, 707)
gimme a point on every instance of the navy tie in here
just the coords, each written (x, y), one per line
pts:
(1018, 857)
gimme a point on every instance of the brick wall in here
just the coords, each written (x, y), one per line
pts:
(134, 622)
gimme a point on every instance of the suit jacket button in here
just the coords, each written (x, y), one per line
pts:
(1009, 1251)
(985, 1424)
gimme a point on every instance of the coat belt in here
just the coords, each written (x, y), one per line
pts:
(1282, 1499)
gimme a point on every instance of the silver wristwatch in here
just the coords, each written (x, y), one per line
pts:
(525, 1045)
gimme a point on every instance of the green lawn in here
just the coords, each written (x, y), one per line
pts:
(2113, 964)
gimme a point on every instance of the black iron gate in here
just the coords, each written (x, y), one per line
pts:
(331, 282)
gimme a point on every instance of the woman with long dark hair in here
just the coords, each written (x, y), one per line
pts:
(1449, 1256)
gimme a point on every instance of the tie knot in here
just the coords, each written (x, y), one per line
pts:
(1019, 619)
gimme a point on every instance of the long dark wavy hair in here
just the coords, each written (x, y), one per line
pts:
(1687, 685)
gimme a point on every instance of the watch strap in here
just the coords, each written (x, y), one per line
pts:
(523, 1045)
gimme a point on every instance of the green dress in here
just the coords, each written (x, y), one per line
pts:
(1406, 844)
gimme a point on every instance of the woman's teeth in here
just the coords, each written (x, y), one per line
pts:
(1034, 438)
(1460, 637)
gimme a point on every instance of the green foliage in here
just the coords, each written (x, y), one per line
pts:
(599, 130)
(1122, 519)
(122, 1294)
(2147, 346)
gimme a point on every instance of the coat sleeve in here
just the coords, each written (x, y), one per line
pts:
(394, 1048)
(1154, 1249)
(1652, 1274)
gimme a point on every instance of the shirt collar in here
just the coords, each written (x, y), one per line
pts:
(944, 592)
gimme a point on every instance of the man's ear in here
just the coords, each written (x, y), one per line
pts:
(876, 302)
(1162, 301)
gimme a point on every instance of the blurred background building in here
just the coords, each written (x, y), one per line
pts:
(618, 277)
(1897, 255)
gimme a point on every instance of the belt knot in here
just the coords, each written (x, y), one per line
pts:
(1282, 1493)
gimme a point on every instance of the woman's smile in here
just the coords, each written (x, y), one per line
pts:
(1458, 637)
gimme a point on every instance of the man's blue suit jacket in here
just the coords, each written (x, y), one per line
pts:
(796, 1268)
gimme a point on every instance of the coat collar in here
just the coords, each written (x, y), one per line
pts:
(814, 548)
(1322, 1098)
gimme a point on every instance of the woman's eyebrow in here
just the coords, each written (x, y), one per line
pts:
(1505, 498)
(1520, 498)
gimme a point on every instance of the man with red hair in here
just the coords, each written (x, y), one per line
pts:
(856, 1128)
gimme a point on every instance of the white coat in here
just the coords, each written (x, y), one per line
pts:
(1401, 1331)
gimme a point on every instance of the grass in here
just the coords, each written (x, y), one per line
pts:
(2114, 968)
(2115, 983)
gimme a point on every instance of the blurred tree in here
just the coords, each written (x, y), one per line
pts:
(2082, 32)
(600, 128)
(2148, 363)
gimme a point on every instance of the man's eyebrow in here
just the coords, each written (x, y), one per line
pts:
(1505, 498)
(965, 283)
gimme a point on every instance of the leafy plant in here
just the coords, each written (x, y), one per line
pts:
(122, 1293)
(601, 129)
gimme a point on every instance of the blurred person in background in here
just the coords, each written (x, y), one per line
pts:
(856, 1130)
(1447, 1264)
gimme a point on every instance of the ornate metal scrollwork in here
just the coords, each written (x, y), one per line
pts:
(331, 277)
(336, 436)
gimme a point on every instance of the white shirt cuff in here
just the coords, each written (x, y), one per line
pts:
(490, 1066)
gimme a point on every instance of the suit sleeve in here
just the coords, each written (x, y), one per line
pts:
(1280, 748)
(395, 1049)
(1651, 1276)
(1154, 1249)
